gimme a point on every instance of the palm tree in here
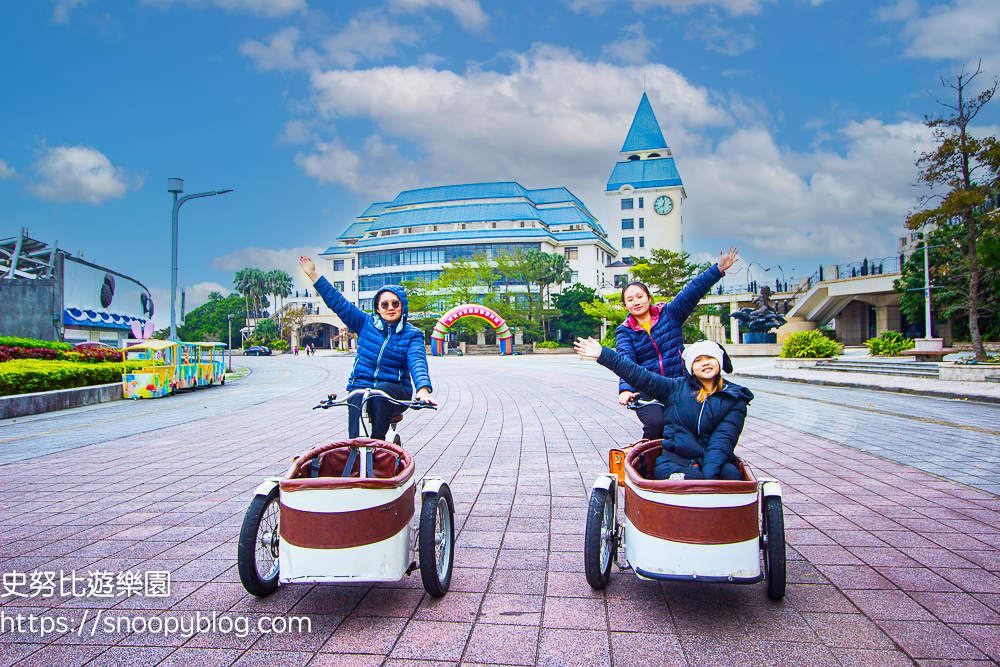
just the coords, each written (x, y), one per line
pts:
(242, 283)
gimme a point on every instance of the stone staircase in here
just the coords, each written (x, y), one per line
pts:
(913, 369)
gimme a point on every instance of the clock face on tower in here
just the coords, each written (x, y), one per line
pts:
(663, 205)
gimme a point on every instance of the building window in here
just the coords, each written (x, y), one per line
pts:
(365, 304)
(438, 254)
(640, 202)
(628, 223)
(353, 286)
(627, 204)
(621, 281)
(338, 265)
(574, 277)
(373, 281)
(642, 241)
(338, 285)
(572, 253)
(628, 242)
(353, 261)
(642, 223)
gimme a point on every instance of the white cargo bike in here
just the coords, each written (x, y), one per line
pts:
(716, 531)
(342, 513)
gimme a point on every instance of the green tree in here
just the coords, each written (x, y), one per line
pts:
(278, 284)
(266, 331)
(963, 173)
(667, 272)
(210, 321)
(573, 320)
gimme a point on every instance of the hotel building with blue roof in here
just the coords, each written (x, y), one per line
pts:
(420, 232)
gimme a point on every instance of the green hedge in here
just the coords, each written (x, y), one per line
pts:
(14, 341)
(25, 376)
(547, 344)
(809, 345)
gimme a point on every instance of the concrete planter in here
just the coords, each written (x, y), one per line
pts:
(754, 350)
(800, 363)
(968, 372)
(59, 399)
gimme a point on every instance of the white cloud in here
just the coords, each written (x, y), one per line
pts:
(368, 36)
(80, 173)
(6, 172)
(264, 259)
(61, 12)
(557, 120)
(468, 13)
(197, 295)
(734, 7)
(958, 30)
(545, 121)
(259, 7)
(721, 40)
(782, 202)
(633, 46)
(278, 54)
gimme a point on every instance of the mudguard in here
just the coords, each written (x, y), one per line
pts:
(606, 482)
(431, 485)
(771, 488)
(266, 486)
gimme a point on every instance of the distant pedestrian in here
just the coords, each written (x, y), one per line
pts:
(296, 350)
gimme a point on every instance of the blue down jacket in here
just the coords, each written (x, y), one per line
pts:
(385, 353)
(659, 351)
(705, 432)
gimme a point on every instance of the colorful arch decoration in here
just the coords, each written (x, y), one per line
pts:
(505, 338)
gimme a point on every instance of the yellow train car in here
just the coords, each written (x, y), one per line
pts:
(176, 366)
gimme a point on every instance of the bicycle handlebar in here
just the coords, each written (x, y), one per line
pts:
(636, 403)
(331, 400)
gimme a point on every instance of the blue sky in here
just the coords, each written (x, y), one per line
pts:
(794, 122)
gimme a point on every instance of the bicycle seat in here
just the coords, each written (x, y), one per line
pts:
(396, 419)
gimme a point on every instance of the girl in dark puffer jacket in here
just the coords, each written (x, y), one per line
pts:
(704, 416)
(652, 335)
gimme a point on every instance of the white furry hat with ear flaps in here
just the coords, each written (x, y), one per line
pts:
(706, 348)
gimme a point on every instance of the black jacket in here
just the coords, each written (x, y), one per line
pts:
(706, 432)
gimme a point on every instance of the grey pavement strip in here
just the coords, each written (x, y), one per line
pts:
(25, 438)
(887, 565)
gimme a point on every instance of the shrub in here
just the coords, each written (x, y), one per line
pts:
(808, 344)
(90, 354)
(610, 340)
(548, 344)
(279, 345)
(25, 376)
(888, 344)
(14, 341)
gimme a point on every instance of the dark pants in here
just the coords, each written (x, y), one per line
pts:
(652, 420)
(665, 467)
(380, 410)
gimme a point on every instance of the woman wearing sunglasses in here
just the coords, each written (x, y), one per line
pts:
(390, 351)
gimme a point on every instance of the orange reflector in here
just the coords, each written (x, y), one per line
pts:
(616, 464)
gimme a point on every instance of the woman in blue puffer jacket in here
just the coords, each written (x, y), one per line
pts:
(705, 414)
(390, 351)
(652, 335)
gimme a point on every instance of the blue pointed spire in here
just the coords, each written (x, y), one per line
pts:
(645, 132)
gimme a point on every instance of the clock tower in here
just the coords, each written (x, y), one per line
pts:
(645, 192)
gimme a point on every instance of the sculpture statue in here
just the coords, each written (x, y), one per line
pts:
(759, 321)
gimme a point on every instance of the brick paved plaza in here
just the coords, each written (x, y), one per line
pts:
(889, 565)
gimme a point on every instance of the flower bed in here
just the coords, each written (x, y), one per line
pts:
(25, 376)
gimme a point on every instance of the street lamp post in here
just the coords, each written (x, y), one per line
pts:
(927, 291)
(176, 186)
(230, 342)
